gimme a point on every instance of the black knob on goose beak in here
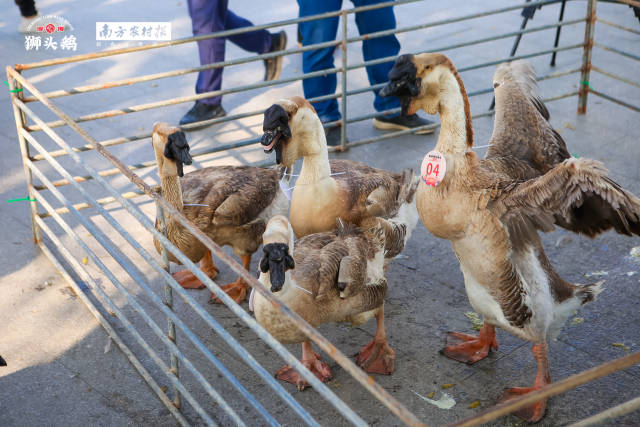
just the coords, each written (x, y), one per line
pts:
(403, 79)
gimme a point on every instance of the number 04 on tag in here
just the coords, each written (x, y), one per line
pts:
(434, 167)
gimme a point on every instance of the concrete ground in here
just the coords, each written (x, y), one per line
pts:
(62, 371)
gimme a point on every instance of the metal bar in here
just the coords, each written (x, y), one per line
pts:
(381, 394)
(157, 76)
(106, 53)
(589, 28)
(188, 299)
(618, 51)
(168, 301)
(113, 335)
(132, 138)
(633, 3)
(486, 64)
(96, 234)
(551, 390)
(343, 126)
(615, 412)
(613, 24)
(24, 153)
(557, 39)
(450, 20)
(389, 135)
(84, 205)
(612, 99)
(183, 99)
(614, 76)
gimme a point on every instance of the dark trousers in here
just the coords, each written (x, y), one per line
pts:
(27, 7)
(325, 30)
(208, 16)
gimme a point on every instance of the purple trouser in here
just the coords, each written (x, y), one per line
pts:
(210, 16)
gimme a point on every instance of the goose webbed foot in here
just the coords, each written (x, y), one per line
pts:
(469, 349)
(313, 362)
(236, 290)
(377, 357)
(535, 412)
(188, 280)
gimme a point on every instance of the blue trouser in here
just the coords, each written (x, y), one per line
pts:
(325, 30)
(208, 16)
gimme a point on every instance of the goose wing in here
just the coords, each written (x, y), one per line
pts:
(577, 194)
(521, 126)
(371, 189)
(234, 195)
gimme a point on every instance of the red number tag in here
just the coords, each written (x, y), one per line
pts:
(434, 167)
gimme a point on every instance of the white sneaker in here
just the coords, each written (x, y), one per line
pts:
(25, 22)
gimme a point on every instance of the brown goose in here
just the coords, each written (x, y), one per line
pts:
(491, 210)
(338, 189)
(232, 204)
(336, 276)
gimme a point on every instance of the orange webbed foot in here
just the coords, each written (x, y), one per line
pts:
(470, 349)
(315, 364)
(236, 290)
(533, 413)
(377, 357)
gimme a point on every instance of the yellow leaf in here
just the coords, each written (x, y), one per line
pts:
(164, 388)
(445, 386)
(430, 395)
(85, 260)
(474, 404)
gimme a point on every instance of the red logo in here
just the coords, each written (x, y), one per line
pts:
(50, 28)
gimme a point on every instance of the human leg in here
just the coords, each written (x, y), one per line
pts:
(313, 32)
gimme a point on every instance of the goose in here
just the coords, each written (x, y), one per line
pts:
(338, 189)
(231, 204)
(335, 276)
(492, 209)
(346, 190)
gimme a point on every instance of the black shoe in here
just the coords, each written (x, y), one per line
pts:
(273, 66)
(200, 112)
(401, 122)
(333, 135)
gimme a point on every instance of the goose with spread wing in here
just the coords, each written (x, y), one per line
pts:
(492, 209)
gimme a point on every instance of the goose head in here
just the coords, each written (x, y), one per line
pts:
(416, 80)
(292, 129)
(278, 247)
(171, 149)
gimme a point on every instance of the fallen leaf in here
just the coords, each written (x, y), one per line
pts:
(476, 322)
(626, 348)
(596, 274)
(445, 386)
(164, 388)
(577, 321)
(474, 404)
(568, 125)
(430, 395)
(85, 260)
(444, 402)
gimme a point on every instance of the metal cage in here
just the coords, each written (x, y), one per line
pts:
(155, 354)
